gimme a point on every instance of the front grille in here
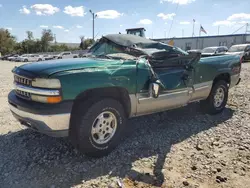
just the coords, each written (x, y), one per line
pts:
(22, 80)
(23, 94)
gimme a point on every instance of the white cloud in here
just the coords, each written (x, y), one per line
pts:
(74, 11)
(9, 28)
(180, 2)
(44, 26)
(58, 27)
(44, 9)
(223, 23)
(166, 16)
(240, 16)
(184, 23)
(121, 25)
(109, 14)
(145, 22)
(24, 10)
(79, 26)
(66, 30)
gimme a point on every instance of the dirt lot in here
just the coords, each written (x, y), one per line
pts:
(178, 148)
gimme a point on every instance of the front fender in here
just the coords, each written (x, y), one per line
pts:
(75, 82)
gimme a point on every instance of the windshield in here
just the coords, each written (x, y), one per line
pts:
(209, 50)
(237, 49)
(110, 50)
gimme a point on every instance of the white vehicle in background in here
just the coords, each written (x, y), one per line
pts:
(12, 58)
(22, 58)
(32, 58)
(48, 57)
(65, 55)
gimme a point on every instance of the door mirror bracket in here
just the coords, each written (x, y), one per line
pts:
(154, 88)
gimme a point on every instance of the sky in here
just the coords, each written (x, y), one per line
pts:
(161, 18)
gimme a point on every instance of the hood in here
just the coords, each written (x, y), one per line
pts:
(45, 69)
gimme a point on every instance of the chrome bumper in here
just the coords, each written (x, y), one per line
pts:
(56, 125)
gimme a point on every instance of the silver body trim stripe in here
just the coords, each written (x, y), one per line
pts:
(48, 92)
(142, 105)
(53, 122)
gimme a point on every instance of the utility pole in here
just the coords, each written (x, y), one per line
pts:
(193, 27)
(94, 17)
(247, 31)
(55, 38)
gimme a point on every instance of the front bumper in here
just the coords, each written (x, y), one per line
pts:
(52, 120)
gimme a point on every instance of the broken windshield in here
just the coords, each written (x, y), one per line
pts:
(107, 49)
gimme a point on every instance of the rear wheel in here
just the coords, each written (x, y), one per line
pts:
(26, 60)
(217, 99)
(96, 127)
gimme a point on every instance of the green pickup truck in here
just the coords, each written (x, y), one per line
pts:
(123, 76)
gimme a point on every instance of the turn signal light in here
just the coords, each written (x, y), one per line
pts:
(54, 99)
(46, 99)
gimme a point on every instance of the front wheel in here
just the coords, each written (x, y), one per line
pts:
(217, 99)
(97, 129)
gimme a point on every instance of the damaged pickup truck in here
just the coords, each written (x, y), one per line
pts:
(123, 76)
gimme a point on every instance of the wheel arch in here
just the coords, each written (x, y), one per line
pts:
(119, 93)
(222, 76)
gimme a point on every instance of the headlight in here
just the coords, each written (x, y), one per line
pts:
(46, 83)
(46, 99)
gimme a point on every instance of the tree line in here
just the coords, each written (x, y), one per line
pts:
(9, 44)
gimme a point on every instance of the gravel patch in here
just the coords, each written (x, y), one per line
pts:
(177, 148)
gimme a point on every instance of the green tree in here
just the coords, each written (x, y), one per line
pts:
(47, 36)
(82, 42)
(29, 35)
(7, 42)
(86, 43)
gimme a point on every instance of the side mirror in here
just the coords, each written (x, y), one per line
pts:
(154, 88)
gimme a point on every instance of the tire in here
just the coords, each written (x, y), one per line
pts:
(210, 105)
(26, 60)
(39, 59)
(86, 117)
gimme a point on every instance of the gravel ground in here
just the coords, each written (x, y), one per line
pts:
(178, 148)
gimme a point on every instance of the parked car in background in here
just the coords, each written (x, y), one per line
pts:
(212, 51)
(22, 58)
(48, 57)
(242, 49)
(65, 55)
(13, 58)
(32, 58)
(195, 50)
(6, 56)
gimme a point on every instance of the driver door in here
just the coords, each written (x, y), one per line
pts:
(175, 73)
